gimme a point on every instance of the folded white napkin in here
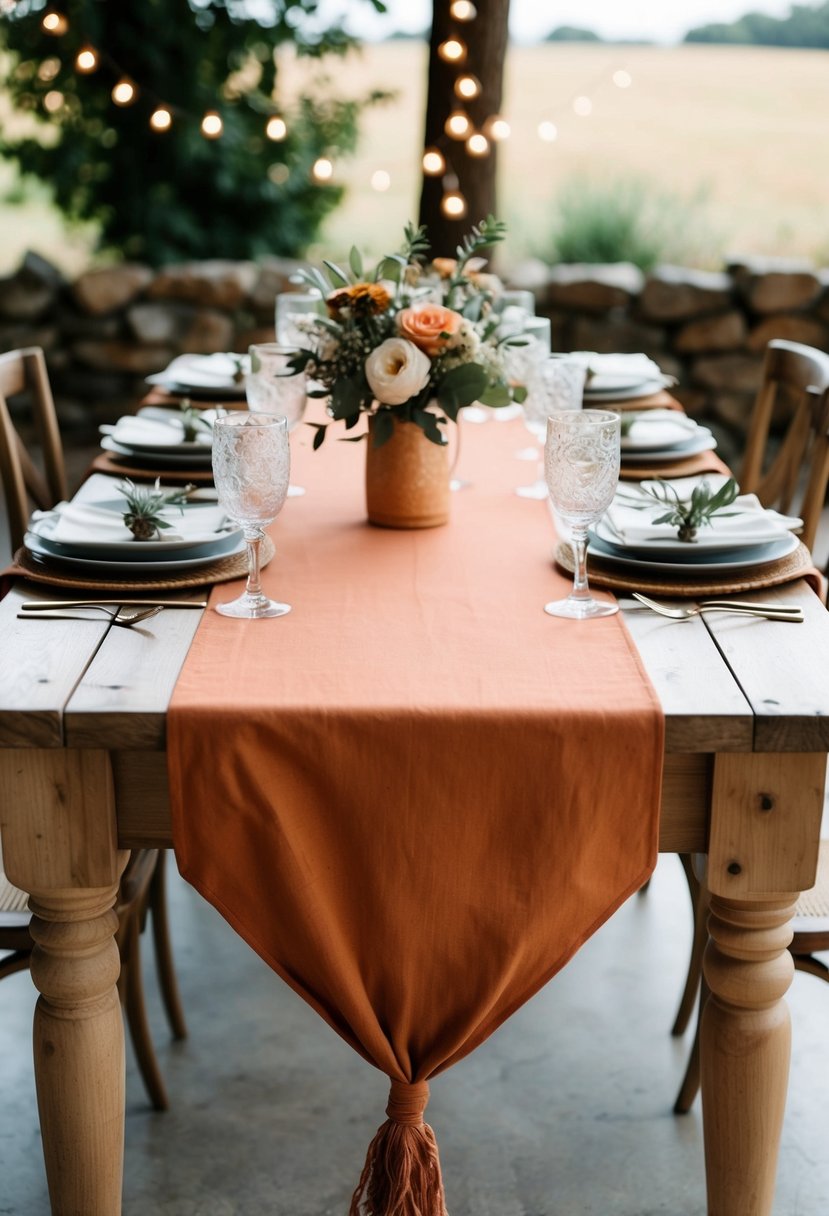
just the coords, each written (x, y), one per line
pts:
(658, 429)
(135, 431)
(745, 522)
(635, 368)
(203, 371)
(78, 523)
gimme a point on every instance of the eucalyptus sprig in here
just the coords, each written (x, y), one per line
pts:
(689, 514)
(145, 504)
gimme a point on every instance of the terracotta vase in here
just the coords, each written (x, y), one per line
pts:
(407, 479)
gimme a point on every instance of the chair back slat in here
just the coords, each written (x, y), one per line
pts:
(798, 375)
(22, 482)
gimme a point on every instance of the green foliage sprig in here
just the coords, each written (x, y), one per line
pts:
(689, 514)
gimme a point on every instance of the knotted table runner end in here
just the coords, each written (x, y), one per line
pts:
(401, 1176)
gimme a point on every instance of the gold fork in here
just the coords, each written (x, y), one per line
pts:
(122, 616)
(770, 612)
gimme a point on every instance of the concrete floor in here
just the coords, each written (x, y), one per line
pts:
(565, 1111)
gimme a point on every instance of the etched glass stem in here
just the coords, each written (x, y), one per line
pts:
(578, 541)
(253, 540)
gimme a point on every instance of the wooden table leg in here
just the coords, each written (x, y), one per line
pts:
(765, 827)
(59, 841)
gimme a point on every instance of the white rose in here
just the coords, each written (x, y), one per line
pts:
(396, 371)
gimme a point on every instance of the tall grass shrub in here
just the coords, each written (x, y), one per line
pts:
(629, 219)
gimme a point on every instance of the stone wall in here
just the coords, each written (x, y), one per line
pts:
(709, 329)
(110, 327)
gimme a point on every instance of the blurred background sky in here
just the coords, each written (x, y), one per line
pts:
(532, 19)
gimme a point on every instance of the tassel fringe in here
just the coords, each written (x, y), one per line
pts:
(401, 1176)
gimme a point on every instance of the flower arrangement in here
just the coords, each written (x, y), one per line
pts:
(411, 334)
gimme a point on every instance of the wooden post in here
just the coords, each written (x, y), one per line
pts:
(57, 814)
(765, 817)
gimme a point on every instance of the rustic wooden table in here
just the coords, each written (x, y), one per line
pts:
(83, 779)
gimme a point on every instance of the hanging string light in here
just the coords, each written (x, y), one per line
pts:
(212, 125)
(467, 87)
(276, 128)
(457, 125)
(124, 93)
(434, 162)
(54, 23)
(323, 169)
(86, 60)
(452, 50)
(161, 119)
(477, 145)
(462, 10)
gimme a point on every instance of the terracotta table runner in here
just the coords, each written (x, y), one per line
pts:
(417, 795)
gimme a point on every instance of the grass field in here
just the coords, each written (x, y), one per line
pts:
(745, 128)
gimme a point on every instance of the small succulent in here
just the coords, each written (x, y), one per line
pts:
(689, 514)
(145, 504)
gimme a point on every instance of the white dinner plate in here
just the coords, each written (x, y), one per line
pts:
(135, 550)
(670, 549)
(704, 564)
(700, 441)
(645, 388)
(159, 456)
(41, 549)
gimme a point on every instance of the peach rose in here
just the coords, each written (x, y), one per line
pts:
(427, 325)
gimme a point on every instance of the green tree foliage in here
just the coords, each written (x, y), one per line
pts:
(170, 195)
(806, 26)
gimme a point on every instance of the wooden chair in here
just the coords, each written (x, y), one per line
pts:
(142, 889)
(790, 474)
(795, 472)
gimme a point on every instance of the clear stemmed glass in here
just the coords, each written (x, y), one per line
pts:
(581, 465)
(251, 467)
(292, 308)
(553, 385)
(270, 388)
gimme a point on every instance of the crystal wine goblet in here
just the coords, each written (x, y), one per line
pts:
(581, 464)
(270, 387)
(554, 384)
(292, 308)
(251, 467)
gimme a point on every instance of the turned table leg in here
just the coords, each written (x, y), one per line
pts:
(59, 839)
(765, 827)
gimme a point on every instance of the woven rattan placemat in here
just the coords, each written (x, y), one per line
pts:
(748, 578)
(220, 571)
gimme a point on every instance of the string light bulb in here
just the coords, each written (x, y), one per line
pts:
(161, 119)
(212, 125)
(477, 145)
(86, 60)
(323, 169)
(452, 50)
(124, 92)
(49, 69)
(548, 131)
(380, 181)
(582, 106)
(622, 79)
(434, 162)
(467, 86)
(457, 125)
(276, 128)
(463, 10)
(497, 128)
(453, 205)
(54, 23)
